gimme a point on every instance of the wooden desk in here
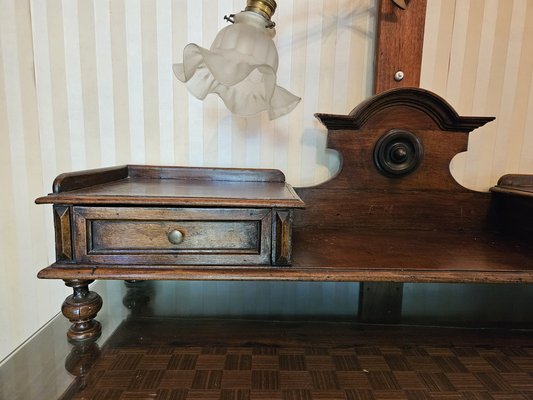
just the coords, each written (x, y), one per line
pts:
(148, 222)
(392, 213)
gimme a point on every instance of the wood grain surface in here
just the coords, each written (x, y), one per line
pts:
(400, 39)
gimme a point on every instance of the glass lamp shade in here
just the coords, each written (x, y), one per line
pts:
(240, 67)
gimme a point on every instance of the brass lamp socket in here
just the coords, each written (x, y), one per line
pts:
(266, 8)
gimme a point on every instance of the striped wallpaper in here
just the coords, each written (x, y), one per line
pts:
(26, 238)
(478, 54)
(104, 80)
(87, 84)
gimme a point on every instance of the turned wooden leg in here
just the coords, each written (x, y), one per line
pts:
(81, 308)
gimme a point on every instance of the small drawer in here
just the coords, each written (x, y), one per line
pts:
(172, 236)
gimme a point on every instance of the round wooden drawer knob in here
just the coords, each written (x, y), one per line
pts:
(176, 236)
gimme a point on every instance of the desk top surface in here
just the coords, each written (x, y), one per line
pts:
(174, 186)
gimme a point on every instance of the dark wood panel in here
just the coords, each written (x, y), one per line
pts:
(415, 251)
(359, 171)
(63, 234)
(395, 210)
(380, 302)
(514, 215)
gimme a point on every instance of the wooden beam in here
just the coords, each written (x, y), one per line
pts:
(399, 42)
(380, 302)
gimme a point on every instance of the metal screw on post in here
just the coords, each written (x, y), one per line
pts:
(398, 76)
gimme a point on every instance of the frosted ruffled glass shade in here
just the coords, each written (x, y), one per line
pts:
(240, 67)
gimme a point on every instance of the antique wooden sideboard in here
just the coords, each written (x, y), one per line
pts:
(392, 213)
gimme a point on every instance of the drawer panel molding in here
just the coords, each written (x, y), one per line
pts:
(176, 236)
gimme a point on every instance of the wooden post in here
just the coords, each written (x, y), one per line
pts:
(399, 42)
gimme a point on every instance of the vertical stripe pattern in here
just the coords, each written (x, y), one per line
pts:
(27, 240)
(478, 56)
(104, 82)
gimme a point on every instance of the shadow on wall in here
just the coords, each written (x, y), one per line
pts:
(346, 17)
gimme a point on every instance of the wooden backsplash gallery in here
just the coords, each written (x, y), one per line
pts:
(88, 84)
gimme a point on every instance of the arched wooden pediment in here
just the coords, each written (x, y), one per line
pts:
(433, 106)
(401, 139)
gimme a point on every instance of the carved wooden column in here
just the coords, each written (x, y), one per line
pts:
(81, 308)
(400, 38)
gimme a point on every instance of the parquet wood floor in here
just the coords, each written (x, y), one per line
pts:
(239, 360)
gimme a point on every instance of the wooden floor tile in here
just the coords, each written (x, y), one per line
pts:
(255, 364)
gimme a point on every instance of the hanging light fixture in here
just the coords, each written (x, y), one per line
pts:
(240, 66)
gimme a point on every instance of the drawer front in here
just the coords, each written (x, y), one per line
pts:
(175, 236)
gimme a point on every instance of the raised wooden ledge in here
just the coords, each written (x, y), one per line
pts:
(173, 186)
(84, 179)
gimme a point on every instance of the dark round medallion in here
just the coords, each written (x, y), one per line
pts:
(398, 153)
